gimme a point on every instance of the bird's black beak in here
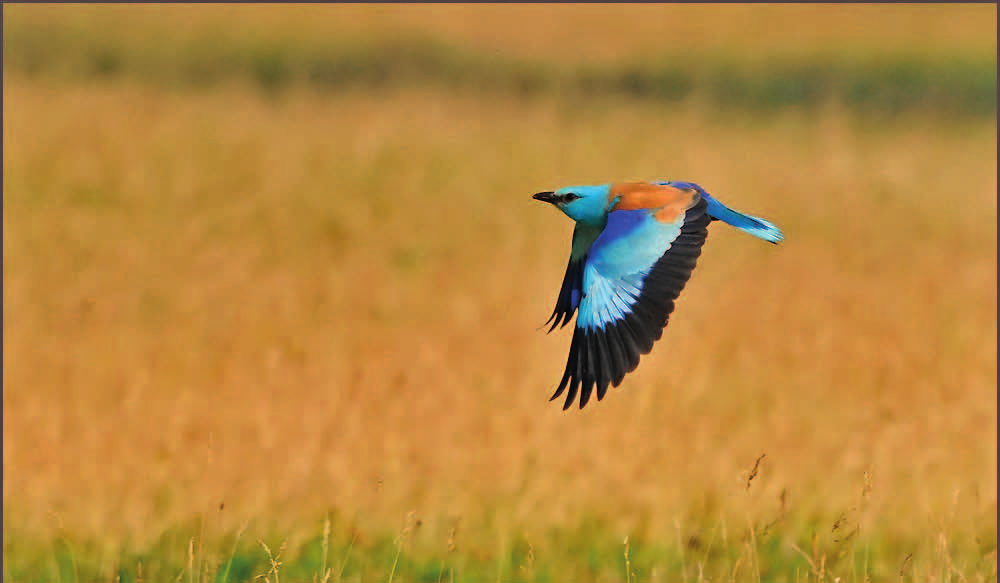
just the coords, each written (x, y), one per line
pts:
(548, 196)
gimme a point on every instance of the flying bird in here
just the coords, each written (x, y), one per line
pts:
(634, 247)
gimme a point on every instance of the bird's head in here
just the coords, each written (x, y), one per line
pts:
(584, 204)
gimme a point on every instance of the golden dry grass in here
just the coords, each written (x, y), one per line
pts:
(331, 303)
(306, 304)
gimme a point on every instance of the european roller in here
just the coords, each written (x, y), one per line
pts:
(634, 247)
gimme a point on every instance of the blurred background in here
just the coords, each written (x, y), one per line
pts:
(273, 274)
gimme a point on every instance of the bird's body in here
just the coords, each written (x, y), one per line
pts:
(634, 247)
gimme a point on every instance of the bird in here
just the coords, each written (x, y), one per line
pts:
(634, 247)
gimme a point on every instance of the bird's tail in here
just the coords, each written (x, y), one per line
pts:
(756, 226)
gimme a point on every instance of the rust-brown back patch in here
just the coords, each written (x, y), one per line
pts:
(667, 203)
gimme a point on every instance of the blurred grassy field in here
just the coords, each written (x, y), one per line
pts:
(879, 60)
(231, 314)
(551, 32)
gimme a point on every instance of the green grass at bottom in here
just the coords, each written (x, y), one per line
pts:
(779, 551)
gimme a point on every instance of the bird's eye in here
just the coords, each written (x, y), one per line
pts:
(570, 197)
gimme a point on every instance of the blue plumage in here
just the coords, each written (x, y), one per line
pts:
(755, 226)
(634, 247)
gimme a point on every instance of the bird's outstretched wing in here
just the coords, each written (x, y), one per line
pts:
(572, 286)
(631, 275)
